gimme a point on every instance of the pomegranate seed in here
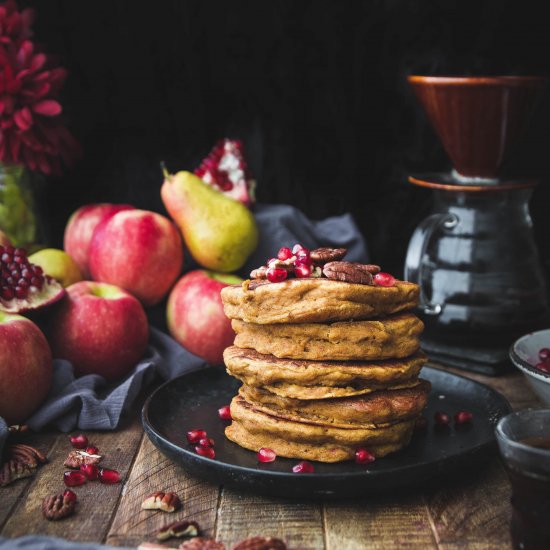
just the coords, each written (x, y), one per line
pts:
(208, 452)
(21, 292)
(276, 274)
(92, 450)
(543, 366)
(7, 293)
(303, 467)
(302, 271)
(362, 456)
(544, 354)
(266, 455)
(73, 478)
(463, 417)
(421, 424)
(108, 476)
(225, 413)
(296, 248)
(302, 255)
(442, 418)
(79, 441)
(194, 436)
(284, 253)
(20, 252)
(206, 442)
(69, 495)
(384, 279)
(37, 270)
(91, 471)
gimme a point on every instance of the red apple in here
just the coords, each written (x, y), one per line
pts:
(25, 368)
(195, 314)
(80, 229)
(138, 250)
(100, 329)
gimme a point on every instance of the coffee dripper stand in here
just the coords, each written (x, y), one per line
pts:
(481, 281)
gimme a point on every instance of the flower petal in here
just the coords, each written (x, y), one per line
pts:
(47, 107)
(23, 118)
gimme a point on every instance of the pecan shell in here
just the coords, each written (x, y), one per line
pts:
(13, 470)
(202, 543)
(321, 256)
(167, 502)
(178, 529)
(261, 543)
(348, 272)
(77, 458)
(57, 507)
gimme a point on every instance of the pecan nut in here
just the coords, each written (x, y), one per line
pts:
(202, 543)
(261, 543)
(324, 255)
(25, 454)
(348, 272)
(167, 502)
(13, 470)
(78, 458)
(179, 529)
(57, 507)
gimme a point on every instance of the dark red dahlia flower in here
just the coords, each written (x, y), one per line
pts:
(15, 25)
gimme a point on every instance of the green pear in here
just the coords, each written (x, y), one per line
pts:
(219, 231)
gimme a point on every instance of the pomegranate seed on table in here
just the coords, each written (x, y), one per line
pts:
(68, 494)
(284, 253)
(303, 467)
(108, 476)
(421, 424)
(276, 274)
(91, 471)
(74, 478)
(206, 442)
(79, 441)
(384, 279)
(208, 452)
(463, 417)
(92, 450)
(225, 413)
(442, 419)
(363, 456)
(266, 455)
(194, 436)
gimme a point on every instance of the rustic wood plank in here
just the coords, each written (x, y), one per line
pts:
(152, 472)
(379, 523)
(298, 523)
(473, 513)
(96, 501)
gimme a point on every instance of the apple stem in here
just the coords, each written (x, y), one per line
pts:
(165, 172)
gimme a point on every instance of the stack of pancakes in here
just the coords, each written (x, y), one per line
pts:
(327, 367)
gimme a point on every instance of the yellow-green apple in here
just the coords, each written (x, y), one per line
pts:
(138, 250)
(57, 264)
(100, 329)
(195, 314)
(81, 227)
(25, 367)
(4, 239)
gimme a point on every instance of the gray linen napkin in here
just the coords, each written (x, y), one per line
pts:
(39, 542)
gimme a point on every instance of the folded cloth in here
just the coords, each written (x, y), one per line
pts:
(39, 542)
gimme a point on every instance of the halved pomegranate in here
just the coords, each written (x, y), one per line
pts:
(23, 285)
(225, 169)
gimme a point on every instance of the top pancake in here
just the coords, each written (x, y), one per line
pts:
(315, 300)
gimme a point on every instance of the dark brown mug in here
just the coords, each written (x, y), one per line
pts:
(478, 119)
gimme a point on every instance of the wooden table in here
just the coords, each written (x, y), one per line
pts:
(464, 515)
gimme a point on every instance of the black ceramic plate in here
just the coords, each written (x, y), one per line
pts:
(192, 402)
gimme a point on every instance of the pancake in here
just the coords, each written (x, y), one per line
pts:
(315, 300)
(253, 429)
(306, 380)
(390, 337)
(376, 409)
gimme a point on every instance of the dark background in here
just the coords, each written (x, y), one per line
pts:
(315, 89)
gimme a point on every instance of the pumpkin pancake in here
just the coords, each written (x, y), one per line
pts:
(253, 429)
(315, 300)
(307, 380)
(366, 411)
(396, 336)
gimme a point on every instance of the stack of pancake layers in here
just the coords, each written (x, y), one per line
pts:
(327, 366)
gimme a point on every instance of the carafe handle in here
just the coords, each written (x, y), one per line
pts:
(416, 250)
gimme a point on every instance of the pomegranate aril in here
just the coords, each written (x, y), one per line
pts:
(19, 260)
(92, 450)
(442, 418)
(206, 442)
(284, 253)
(37, 269)
(543, 366)
(20, 252)
(303, 467)
(266, 455)
(463, 417)
(384, 279)
(26, 274)
(23, 283)
(302, 271)
(421, 424)
(544, 354)
(363, 456)
(276, 274)
(91, 471)
(302, 255)
(208, 452)
(225, 413)
(194, 436)
(108, 476)
(69, 495)
(296, 248)
(37, 282)
(79, 441)
(74, 478)
(7, 293)
(21, 292)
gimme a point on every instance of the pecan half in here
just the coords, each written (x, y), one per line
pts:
(27, 455)
(13, 470)
(77, 458)
(261, 543)
(324, 255)
(57, 507)
(348, 272)
(370, 268)
(179, 529)
(167, 502)
(202, 543)
(259, 273)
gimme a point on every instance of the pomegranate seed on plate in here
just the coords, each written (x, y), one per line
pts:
(284, 253)
(92, 450)
(206, 442)
(544, 353)
(303, 467)
(68, 494)
(362, 456)
(194, 436)
(73, 478)
(463, 417)
(543, 366)
(108, 476)
(91, 471)
(79, 441)
(442, 418)
(276, 274)
(225, 413)
(384, 279)
(266, 455)
(208, 452)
